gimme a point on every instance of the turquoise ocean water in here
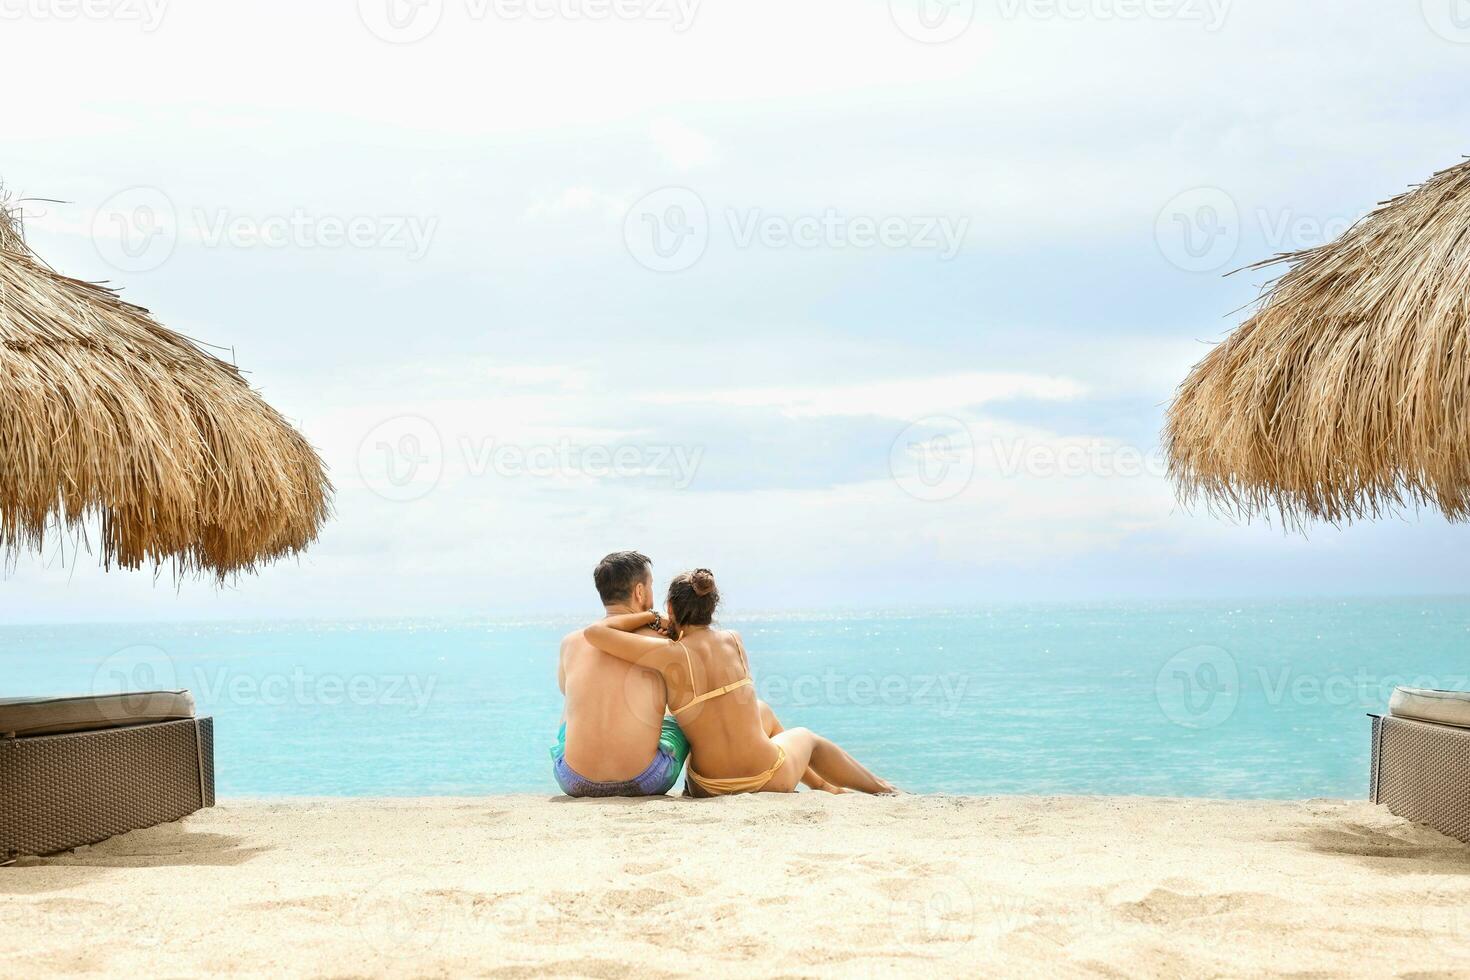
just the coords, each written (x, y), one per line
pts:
(1229, 699)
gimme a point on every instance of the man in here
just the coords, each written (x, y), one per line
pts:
(614, 717)
(613, 722)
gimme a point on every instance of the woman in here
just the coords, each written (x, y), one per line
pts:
(708, 677)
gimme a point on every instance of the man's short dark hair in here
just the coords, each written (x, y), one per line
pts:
(617, 574)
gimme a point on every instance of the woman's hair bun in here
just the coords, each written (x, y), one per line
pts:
(693, 598)
(703, 581)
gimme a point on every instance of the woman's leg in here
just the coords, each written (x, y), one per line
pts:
(805, 748)
(811, 778)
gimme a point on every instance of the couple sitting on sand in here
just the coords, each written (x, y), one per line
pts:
(618, 676)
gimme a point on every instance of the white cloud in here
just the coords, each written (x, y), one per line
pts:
(682, 146)
(528, 322)
(580, 200)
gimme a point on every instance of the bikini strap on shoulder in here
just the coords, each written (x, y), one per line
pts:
(688, 663)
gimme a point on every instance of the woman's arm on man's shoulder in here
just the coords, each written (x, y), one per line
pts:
(614, 635)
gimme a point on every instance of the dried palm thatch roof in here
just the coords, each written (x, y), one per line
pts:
(105, 414)
(1347, 394)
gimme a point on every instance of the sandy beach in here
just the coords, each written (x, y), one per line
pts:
(804, 886)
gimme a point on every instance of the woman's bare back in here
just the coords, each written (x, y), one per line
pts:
(726, 735)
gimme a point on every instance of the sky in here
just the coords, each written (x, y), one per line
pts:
(858, 303)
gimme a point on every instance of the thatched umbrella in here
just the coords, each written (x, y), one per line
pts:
(105, 414)
(1347, 394)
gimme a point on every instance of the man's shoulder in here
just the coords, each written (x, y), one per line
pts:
(573, 640)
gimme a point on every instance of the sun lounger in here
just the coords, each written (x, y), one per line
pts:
(1420, 764)
(75, 771)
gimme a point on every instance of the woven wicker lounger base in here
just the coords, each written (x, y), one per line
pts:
(1421, 772)
(58, 792)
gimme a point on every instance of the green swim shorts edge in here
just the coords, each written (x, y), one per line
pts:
(671, 739)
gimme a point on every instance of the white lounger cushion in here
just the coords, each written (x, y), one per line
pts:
(1440, 707)
(51, 716)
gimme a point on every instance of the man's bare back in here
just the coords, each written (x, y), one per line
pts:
(614, 711)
